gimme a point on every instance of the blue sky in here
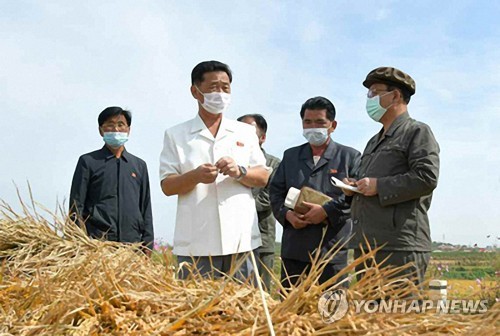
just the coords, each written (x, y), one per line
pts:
(63, 62)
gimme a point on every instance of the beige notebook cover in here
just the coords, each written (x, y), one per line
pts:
(311, 196)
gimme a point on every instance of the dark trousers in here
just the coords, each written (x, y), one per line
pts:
(292, 269)
(419, 262)
(218, 266)
(266, 259)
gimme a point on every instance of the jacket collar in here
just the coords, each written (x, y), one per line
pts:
(379, 138)
(396, 123)
(307, 156)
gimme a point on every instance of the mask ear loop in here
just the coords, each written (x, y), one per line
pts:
(197, 88)
(331, 127)
(385, 94)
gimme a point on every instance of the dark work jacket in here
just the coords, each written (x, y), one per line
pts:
(405, 162)
(296, 170)
(112, 196)
(267, 222)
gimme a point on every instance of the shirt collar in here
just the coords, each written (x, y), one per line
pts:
(125, 155)
(109, 155)
(198, 126)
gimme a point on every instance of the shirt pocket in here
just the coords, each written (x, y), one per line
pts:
(240, 152)
(388, 161)
(133, 180)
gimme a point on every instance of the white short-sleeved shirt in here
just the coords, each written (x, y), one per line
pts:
(217, 218)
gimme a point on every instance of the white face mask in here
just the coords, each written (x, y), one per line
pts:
(316, 136)
(215, 102)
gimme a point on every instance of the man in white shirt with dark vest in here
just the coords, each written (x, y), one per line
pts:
(212, 163)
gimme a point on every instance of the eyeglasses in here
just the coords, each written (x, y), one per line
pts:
(373, 93)
(121, 126)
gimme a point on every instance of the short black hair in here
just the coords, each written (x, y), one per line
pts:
(259, 120)
(209, 66)
(318, 103)
(113, 111)
(404, 92)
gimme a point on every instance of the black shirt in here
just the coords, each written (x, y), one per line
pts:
(112, 196)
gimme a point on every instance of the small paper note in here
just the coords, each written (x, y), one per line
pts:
(339, 184)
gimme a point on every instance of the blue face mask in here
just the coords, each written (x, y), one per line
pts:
(115, 139)
(374, 109)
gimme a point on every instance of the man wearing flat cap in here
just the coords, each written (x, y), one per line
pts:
(398, 173)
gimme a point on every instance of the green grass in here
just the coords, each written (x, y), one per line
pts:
(464, 265)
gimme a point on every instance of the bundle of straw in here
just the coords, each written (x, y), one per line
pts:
(55, 280)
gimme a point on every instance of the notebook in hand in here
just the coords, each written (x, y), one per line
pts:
(311, 196)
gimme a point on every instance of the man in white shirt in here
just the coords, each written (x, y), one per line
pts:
(212, 163)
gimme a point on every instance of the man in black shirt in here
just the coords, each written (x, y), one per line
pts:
(110, 189)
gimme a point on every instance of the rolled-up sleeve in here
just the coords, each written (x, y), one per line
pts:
(257, 158)
(169, 158)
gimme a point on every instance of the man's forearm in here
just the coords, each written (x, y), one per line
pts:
(179, 184)
(336, 209)
(256, 177)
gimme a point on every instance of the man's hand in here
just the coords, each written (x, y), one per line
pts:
(316, 213)
(206, 173)
(349, 181)
(180, 184)
(227, 166)
(296, 220)
(368, 186)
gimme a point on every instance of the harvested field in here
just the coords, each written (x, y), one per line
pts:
(57, 281)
